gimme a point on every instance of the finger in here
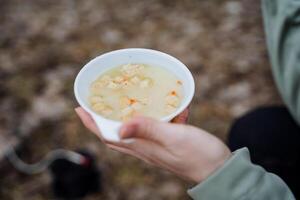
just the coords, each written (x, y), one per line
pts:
(129, 152)
(154, 161)
(146, 128)
(182, 117)
(90, 124)
(150, 152)
(87, 120)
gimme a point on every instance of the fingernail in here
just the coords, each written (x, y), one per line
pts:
(126, 132)
(76, 109)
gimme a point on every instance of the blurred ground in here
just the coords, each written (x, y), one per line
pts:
(43, 44)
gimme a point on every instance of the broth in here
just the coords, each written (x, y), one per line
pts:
(135, 89)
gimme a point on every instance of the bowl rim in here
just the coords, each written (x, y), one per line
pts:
(186, 100)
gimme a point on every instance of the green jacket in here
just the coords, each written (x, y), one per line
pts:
(239, 179)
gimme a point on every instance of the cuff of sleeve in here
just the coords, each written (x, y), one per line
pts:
(231, 181)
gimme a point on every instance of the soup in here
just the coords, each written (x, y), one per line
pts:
(135, 89)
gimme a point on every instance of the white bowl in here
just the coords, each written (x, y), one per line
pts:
(93, 69)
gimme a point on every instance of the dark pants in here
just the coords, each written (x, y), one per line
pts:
(273, 139)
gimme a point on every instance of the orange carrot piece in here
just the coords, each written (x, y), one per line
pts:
(132, 101)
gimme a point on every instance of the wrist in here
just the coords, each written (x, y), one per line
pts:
(215, 161)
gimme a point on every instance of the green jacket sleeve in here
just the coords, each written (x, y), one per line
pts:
(239, 179)
(282, 27)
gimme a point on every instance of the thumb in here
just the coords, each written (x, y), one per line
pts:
(146, 128)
